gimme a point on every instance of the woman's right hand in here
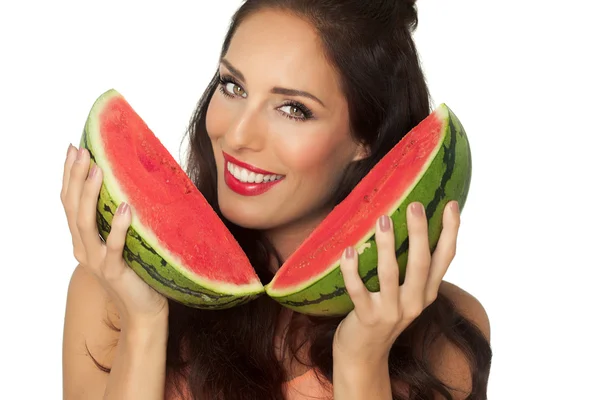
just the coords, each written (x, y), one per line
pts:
(137, 303)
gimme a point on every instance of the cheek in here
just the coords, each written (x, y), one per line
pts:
(320, 152)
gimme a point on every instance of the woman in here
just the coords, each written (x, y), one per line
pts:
(315, 92)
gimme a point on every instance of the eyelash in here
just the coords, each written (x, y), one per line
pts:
(308, 114)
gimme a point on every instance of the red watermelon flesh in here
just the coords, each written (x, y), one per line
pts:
(167, 201)
(180, 247)
(353, 220)
(430, 165)
(176, 241)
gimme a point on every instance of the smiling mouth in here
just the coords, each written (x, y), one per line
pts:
(246, 179)
(246, 176)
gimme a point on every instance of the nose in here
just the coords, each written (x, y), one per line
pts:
(247, 130)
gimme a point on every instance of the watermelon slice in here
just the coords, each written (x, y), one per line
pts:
(176, 241)
(431, 164)
(181, 248)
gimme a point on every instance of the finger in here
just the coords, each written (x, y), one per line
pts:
(357, 290)
(115, 242)
(86, 217)
(387, 264)
(77, 175)
(445, 250)
(71, 154)
(419, 255)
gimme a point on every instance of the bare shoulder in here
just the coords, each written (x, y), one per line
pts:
(86, 331)
(450, 365)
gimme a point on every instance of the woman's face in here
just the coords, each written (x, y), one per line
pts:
(279, 125)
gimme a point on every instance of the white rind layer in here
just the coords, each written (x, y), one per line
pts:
(360, 246)
(118, 196)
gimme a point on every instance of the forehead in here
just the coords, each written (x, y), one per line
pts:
(284, 50)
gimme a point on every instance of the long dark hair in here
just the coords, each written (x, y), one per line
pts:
(229, 354)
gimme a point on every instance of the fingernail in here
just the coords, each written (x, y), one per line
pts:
(417, 209)
(69, 149)
(122, 209)
(349, 253)
(80, 154)
(384, 223)
(454, 205)
(93, 171)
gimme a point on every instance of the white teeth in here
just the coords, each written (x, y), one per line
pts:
(271, 178)
(243, 175)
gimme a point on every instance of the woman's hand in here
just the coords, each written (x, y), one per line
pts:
(369, 330)
(136, 302)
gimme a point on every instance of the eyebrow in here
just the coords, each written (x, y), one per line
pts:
(276, 90)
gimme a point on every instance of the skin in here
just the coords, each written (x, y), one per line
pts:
(251, 124)
(254, 127)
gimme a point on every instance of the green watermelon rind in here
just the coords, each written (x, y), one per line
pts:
(367, 241)
(143, 253)
(326, 293)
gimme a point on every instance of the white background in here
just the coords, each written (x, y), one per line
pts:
(522, 76)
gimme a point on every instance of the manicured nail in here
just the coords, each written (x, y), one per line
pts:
(417, 209)
(69, 149)
(93, 171)
(122, 209)
(349, 253)
(80, 154)
(384, 223)
(454, 205)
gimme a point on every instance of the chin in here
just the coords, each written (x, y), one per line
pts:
(244, 215)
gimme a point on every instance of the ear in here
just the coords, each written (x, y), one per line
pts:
(362, 151)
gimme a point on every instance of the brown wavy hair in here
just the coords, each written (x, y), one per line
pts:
(230, 354)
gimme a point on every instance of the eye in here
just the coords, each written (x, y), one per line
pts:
(236, 89)
(230, 88)
(296, 111)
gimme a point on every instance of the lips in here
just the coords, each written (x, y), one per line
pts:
(246, 179)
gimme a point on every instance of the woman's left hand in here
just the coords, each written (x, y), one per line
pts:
(370, 329)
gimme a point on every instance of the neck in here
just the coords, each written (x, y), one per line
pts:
(287, 238)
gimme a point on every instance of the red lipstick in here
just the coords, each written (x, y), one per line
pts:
(249, 167)
(246, 188)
